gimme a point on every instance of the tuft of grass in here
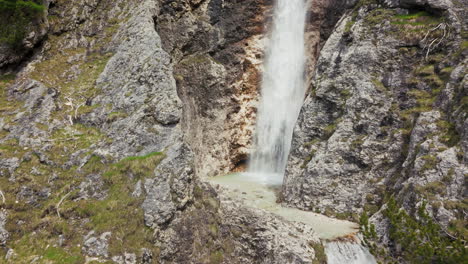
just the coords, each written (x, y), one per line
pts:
(420, 18)
(430, 162)
(450, 135)
(216, 257)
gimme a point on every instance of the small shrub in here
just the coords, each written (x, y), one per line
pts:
(16, 18)
(421, 240)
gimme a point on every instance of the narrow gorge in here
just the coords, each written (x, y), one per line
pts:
(233, 131)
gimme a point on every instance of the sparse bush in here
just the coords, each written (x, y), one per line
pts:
(16, 17)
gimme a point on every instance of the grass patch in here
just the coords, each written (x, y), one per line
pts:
(449, 134)
(119, 213)
(430, 162)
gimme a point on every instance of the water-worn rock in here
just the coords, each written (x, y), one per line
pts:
(231, 232)
(216, 47)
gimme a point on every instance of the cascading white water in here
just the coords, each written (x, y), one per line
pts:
(282, 93)
(348, 253)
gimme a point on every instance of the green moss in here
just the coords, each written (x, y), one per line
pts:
(79, 89)
(114, 116)
(59, 255)
(449, 177)
(357, 143)
(426, 70)
(430, 162)
(330, 129)
(419, 18)
(319, 250)
(378, 16)
(120, 212)
(216, 257)
(72, 139)
(308, 158)
(379, 85)
(346, 94)
(349, 25)
(413, 27)
(449, 134)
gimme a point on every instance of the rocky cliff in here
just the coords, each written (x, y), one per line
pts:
(113, 112)
(385, 121)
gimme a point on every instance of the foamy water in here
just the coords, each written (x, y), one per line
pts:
(261, 196)
(282, 92)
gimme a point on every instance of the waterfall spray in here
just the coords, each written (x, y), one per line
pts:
(282, 93)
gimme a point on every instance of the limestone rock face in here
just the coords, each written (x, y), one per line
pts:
(384, 116)
(109, 123)
(217, 48)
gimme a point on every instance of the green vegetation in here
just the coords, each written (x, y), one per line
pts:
(114, 116)
(330, 129)
(421, 240)
(119, 212)
(367, 229)
(16, 19)
(216, 257)
(430, 162)
(416, 18)
(449, 135)
(320, 256)
(5, 104)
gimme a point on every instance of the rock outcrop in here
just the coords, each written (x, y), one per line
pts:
(110, 119)
(217, 49)
(386, 117)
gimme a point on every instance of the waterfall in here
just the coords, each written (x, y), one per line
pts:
(347, 252)
(282, 92)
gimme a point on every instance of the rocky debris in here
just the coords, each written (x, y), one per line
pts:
(31, 196)
(91, 188)
(3, 232)
(8, 166)
(126, 259)
(277, 240)
(96, 246)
